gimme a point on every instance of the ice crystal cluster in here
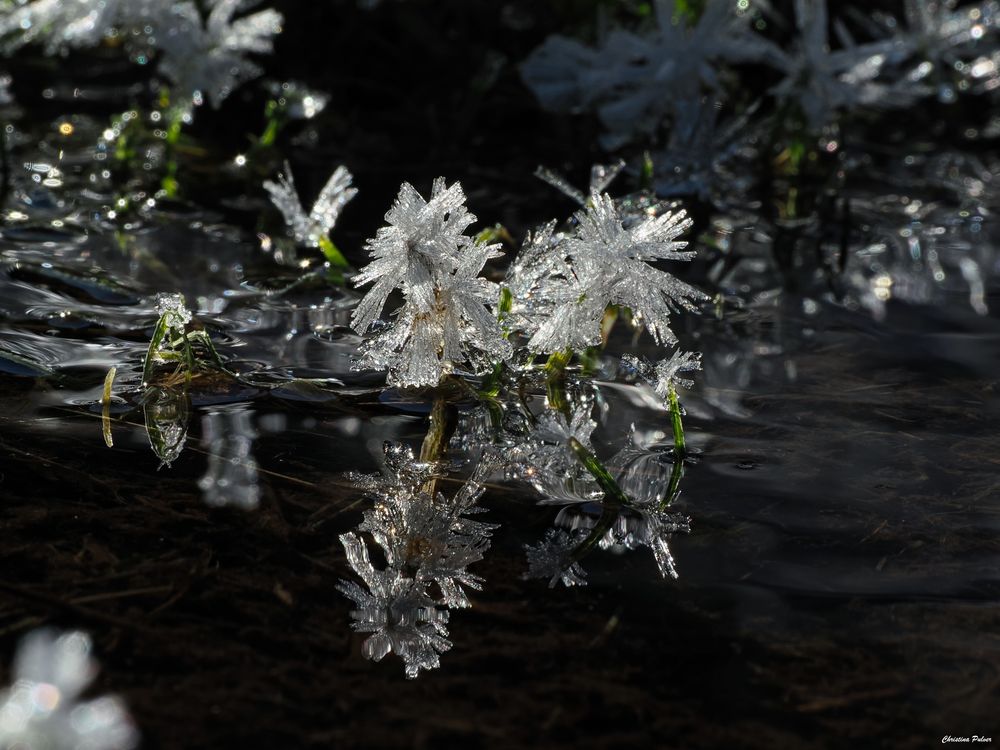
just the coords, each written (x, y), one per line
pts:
(42, 709)
(428, 542)
(607, 262)
(200, 55)
(940, 44)
(665, 375)
(823, 82)
(311, 229)
(445, 323)
(560, 285)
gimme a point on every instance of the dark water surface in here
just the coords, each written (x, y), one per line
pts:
(839, 583)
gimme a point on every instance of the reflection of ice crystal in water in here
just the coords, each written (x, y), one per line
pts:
(41, 710)
(428, 542)
(166, 416)
(231, 478)
(396, 610)
(649, 480)
(429, 536)
(545, 460)
(552, 558)
(401, 475)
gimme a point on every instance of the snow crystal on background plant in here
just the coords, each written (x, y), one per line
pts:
(824, 82)
(634, 81)
(42, 707)
(61, 25)
(199, 56)
(445, 323)
(938, 45)
(702, 158)
(210, 57)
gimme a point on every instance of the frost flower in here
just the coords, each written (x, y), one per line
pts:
(610, 265)
(63, 24)
(445, 323)
(41, 709)
(940, 39)
(200, 57)
(312, 229)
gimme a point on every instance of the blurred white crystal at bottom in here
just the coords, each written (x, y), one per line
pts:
(40, 710)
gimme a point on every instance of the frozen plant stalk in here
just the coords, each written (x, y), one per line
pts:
(445, 323)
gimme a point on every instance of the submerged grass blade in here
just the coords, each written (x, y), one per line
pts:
(109, 381)
(614, 499)
(675, 484)
(612, 491)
